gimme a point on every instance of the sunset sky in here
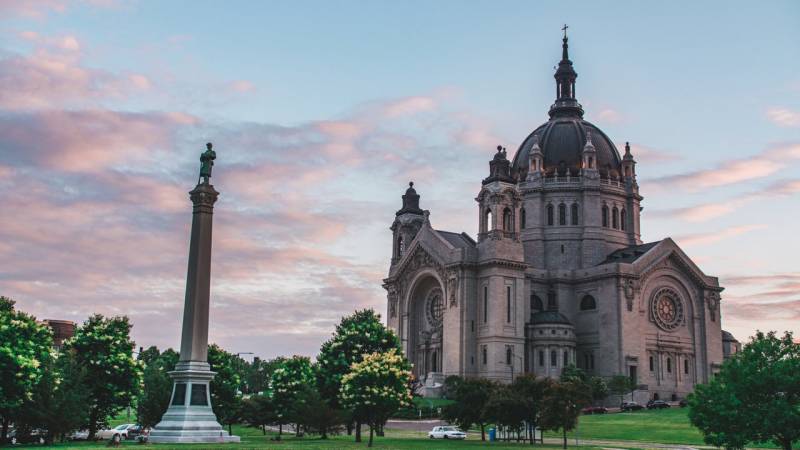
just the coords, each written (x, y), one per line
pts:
(320, 114)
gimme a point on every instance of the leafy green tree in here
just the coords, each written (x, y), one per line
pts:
(562, 406)
(531, 391)
(621, 385)
(258, 411)
(754, 398)
(471, 397)
(356, 335)
(506, 409)
(59, 402)
(102, 346)
(316, 415)
(599, 389)
(157, 385)
(24, 345)
(376, 387)
(286, 384)
(226, 395)
(572, 373)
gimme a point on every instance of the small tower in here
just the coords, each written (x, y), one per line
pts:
(589, 166)
(536, 160)
(628, 164)
(408, 220)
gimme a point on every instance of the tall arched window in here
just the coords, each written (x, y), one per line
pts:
(553, 358)
(400, 246)
(550, 214)
(536, 303)
(588, 303)
(566, 358)
(622, 219)
(552, 302)
(508, 355)
(574, 214)
(508, 224)
(614, 218)
(522, 218)
(562, 214)
(605, 216)
(669, 365)
(489, 226)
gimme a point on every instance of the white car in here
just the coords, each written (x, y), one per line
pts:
(446, 433)
(121, 431)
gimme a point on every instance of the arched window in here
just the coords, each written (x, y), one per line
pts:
(508, 355)
(483, 355)
(400, 246)
(434, 360)
(485, 304)
(508, 224)
(622, 219)
(489, 225)
(588, 303)
(541, 358)
(652, 366)
(614, 218)
(553, 358)
(550, 214)
(536, 303)
(552, 303)
(522, 218)
(562, 214)
(574, 214)
(605, 216)
(686, 366)
(591, 162)
(669, 365)
(566, 358)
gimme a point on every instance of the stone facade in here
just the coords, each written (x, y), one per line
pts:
(558, 274)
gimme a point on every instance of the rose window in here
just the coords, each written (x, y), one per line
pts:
(667, 309)
(435, 308)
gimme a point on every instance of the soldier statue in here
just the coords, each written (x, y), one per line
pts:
(206, 162)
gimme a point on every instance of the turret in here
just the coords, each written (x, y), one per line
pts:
(535, 160)
(628, 164)
(589, 157)
(408, 220)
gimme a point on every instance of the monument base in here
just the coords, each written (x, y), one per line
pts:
(189, 418)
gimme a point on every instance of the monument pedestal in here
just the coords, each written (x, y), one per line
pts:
(189, 418)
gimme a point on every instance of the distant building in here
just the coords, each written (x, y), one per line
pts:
(558, 274)
(62, 330)
(730, 345)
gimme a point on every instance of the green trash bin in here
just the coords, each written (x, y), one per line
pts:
(492, 434)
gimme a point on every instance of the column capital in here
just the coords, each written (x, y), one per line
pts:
(203, 195)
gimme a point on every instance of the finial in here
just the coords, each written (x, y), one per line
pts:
(411, 184)
(565, 30)
(499, 148)
(627, 147)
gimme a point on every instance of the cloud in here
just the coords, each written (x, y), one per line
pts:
(784, 117)
(645, 154)
(712, 210)
(36, 9)
(242, 86)
(766, 163)
(609, 115)
(699, 239)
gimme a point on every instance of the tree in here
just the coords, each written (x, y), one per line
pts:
(59, 402)
(599, 389)
(376, 387)
(315, 414)
(24, 344)
(157, 385)
(562, 406)
(506, 409)
(102, 346)
(258, 411)
(469, 408)
(286, 384)
(621, 385)
(531, 391)
(572, 373)
(754, 398)
(225, 386)
(356, 335)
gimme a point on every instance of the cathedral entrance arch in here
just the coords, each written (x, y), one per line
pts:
(426, 308)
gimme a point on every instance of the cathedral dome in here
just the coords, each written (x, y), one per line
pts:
(563, 137)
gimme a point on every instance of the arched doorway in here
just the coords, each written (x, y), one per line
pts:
(426, 314)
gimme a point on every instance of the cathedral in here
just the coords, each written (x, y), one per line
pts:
(558, 274)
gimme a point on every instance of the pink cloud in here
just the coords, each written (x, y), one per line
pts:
(784, 117)
(242, 86)
(609, 115)
(36, 9)
(408, 106)
(699, 239)
(644, 154)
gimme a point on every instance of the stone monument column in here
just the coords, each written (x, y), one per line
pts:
(189, 418)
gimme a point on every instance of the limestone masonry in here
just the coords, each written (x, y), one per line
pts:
(558, 275)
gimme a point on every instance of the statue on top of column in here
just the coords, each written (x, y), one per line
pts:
(206, 162)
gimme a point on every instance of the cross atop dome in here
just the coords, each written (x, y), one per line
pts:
(565, 104)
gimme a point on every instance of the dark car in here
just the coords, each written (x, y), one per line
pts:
(594, 410)
(657, 404)
(631, 406)
(134, 431)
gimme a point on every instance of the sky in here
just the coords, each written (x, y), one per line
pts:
(322, 112)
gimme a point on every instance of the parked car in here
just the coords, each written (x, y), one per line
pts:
(80, 435)
(134, 431)
(594, 410)
(446, 432)
(121, 431)
(657, 404)
(630, 406)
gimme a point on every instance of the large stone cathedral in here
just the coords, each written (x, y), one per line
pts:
(558, 274)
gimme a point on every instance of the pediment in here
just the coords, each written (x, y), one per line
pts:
(667, 254)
